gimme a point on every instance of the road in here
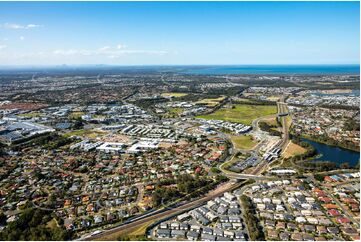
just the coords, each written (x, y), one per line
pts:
(256, 121)
(247, 176)
(283, 109)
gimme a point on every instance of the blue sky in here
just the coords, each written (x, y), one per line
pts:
(156, 33)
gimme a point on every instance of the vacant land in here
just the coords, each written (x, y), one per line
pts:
(31, 115)
(75, 115)
(244, 142)
(86, 133)
(241, 113)
(174, 94)
(273, 98)
(288, 121)
(293, 149)
(211, 102)
(52, 224)
(176, 110)
(137, 233)
(271, 121)
(244, 100)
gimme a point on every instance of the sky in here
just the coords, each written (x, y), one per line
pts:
(179, 33)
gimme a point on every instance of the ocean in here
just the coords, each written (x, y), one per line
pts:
(275, 70)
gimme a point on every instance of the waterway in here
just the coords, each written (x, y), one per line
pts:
(334, 154)
(275, 69)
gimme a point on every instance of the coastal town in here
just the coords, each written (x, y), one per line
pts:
(180, 120)
(235, 156)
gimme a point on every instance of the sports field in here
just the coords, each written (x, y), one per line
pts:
(241, 113)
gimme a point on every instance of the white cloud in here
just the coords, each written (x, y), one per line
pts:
(67, 52)
(29, 26)
(21, 37)
(111, 55)
(3, 47)
(121, 46)
(19, 26)
(104, 48)
(107, 51)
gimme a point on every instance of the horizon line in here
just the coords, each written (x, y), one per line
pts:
(150, 65)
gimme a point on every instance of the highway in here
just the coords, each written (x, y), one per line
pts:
(283, 109)
(246, 176)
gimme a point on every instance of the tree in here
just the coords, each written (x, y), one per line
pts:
(78, 124)
(256, 231)
(31, 225)
(2, 219)
(345, 165)
(215, 170)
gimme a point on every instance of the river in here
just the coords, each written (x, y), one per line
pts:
(334, 154)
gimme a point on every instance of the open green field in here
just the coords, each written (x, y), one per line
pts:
(244, 142)
(85, 133)
(293, 149)
(288, 121)
(75, 115)
(176, 110)
(137, 233)
(211, 102)
(174, 94)
(241, 113)
(31, 115)
(245, 100)
(272, 121)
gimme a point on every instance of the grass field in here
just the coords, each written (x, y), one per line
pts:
(211, 102)
(75, 115)
(176, 110)
(137, 233)
(85, 133)
(244, 142)
(293, 149)
(244, 114)
(270, 121)
(245, 100)
(31, 115)
(288, 121)
(174, 94)
(52, 224)
(273, 98)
